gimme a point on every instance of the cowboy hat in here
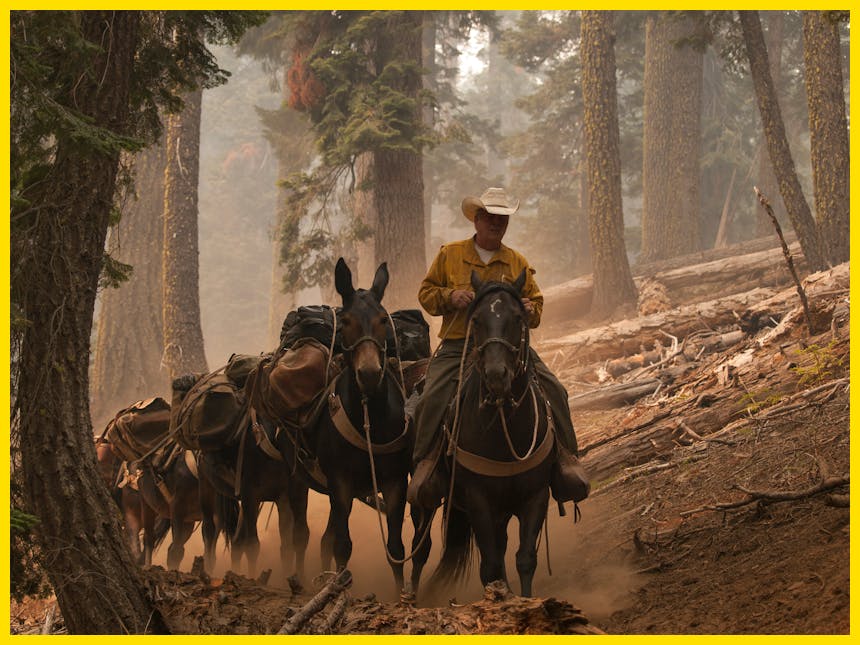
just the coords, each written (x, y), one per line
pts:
(494, 200)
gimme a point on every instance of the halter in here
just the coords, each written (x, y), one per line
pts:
(383, 350)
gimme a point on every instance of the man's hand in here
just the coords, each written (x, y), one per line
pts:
(529, 306)
(461, 298)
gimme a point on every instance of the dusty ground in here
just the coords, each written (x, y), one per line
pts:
(639, 562)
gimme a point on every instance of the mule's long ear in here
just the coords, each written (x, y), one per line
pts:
(343, 280)
(476, 281)
(380, 281)
(520, 282)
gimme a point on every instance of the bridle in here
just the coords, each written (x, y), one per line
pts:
(519, 352)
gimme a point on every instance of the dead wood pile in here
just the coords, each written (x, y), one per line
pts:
(710, 383)
(194, 604)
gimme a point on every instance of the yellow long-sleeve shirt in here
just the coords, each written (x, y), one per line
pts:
(452, 269)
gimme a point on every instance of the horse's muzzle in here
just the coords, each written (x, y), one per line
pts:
(498, 381)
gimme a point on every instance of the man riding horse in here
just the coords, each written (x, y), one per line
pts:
(447, 291)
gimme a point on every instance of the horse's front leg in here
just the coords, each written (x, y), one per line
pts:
(394, 494)
(250, 539)
(530, 522)
(491, 535)
(181, 531)
(285, 527)
(132, 512)
(148, 521)
(298, 498)
(340, 499)
(422, 520)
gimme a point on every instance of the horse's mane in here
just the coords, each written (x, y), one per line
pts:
(491, 286)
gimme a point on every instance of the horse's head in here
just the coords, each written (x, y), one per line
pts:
(500, 332)
(365, 323)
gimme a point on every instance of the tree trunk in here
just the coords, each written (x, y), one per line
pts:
(98, 587)
(428, 116)
(364, 212)
(828, 131)
(777, 143)
(129, 330)
(398, 189)
(183, 335)
(766, 180)
(613, 284)
(685, 142)
(671, 139)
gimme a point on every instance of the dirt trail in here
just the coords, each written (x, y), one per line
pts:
(654, 552)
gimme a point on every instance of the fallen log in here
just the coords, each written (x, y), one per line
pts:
(615, 395)
(335, 586)
(634, 335)
(716, 278)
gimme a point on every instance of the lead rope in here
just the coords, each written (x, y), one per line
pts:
(534, 430)
(454, 437)
(546, 539)
(388, 555)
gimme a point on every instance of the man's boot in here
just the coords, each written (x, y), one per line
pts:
(568, 480)
(427, 485)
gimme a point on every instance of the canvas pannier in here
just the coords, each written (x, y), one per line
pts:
(139, 428)
(413, 335)
(311, 322)
(208, 416)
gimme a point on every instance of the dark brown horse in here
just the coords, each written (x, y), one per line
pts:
(504, 444)
(262, 477)
(364, 444)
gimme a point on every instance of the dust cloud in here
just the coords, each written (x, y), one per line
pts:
(591, 576)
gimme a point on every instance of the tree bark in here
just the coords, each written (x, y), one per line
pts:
(613, 284)
(398, 189)
(766, 180)
(671, 139)
(828, 132)
(777, 142)
(364, 212)
(183, 335)
(98, 587)
(129, 330)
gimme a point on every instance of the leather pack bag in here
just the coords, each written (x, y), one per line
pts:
(291, 380)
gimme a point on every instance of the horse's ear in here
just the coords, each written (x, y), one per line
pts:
(380, 281)
(476, 281)
(343, 280)
(520, 282)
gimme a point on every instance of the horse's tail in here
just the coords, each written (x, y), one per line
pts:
(162, 526)
(228, 510)
(456, 560)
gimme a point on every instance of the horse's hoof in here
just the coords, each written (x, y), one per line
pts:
(497, 590)
(407, 597)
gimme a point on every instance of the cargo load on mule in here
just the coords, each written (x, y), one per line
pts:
(410, 343)
(138, 430)
(208, 409)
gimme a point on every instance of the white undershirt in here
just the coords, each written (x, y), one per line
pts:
(485, 254)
